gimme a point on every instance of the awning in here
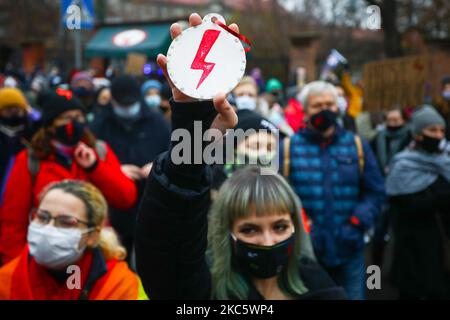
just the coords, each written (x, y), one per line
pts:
(118, 41)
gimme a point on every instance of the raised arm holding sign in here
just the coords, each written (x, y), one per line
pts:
(172, 228)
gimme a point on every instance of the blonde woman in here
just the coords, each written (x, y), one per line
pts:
(258, 247)
(69, 254)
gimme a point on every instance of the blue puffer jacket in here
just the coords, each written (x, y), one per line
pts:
(341, 202)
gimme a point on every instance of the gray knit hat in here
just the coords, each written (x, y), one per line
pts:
(424, 117)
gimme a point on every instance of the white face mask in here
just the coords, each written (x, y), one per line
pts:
(54, 248)
(153, 101)
(127, 112)
(245, 102)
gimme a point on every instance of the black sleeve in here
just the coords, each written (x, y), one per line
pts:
(424, 203)
(415, 205)
(319, 283)
(349, 123)
(171, 232)
(163, 128)
(95, 126)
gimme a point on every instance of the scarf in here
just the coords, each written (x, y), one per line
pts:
(388, 143)
(412, 171)
(30, 281)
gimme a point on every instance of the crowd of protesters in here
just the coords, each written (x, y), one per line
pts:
(87, 179)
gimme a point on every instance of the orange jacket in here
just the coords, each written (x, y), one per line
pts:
(117, 283)
(355, 95)
(21, 195)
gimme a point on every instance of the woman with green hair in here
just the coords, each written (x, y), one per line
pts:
(257, 241)
(256, 246)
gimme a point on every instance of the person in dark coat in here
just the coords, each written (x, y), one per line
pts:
(393, 138)
(418, 186)
(17, 125)
(258, 246)
(261, 135)
(389, 141)
(137, 134)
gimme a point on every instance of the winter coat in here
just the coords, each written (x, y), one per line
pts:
(418, 186)
(341, 200)
(135, 142)
(21, 193)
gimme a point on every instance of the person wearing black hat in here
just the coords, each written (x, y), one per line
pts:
(256, 148)
(64, 148)
(137, 134)
(418, 186)
(261, 134)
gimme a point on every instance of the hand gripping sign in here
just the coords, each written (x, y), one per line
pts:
(207, 59)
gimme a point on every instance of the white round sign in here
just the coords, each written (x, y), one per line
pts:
(206, 59)
(129, 38)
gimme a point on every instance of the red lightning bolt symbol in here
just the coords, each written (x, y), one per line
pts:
(209, 38)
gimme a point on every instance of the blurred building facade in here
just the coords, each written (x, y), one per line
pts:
(31, 34)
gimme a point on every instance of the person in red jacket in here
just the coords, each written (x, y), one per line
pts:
(64, 148)
(69, 254)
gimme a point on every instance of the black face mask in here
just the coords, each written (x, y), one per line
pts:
(83, 92)
(71, 133)
(429, 144)
(323, 120)
(14, 121)
(13, 127)
(260, 261)
(394, 128)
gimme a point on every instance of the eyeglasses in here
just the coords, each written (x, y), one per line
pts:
(63, 221)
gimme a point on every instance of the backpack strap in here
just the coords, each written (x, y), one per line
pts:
(359, 148)
(100, 148)
(286, 157)
(33, 166)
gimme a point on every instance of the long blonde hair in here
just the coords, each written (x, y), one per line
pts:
(96, 211)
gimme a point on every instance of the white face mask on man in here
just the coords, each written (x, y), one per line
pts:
(55, 248)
